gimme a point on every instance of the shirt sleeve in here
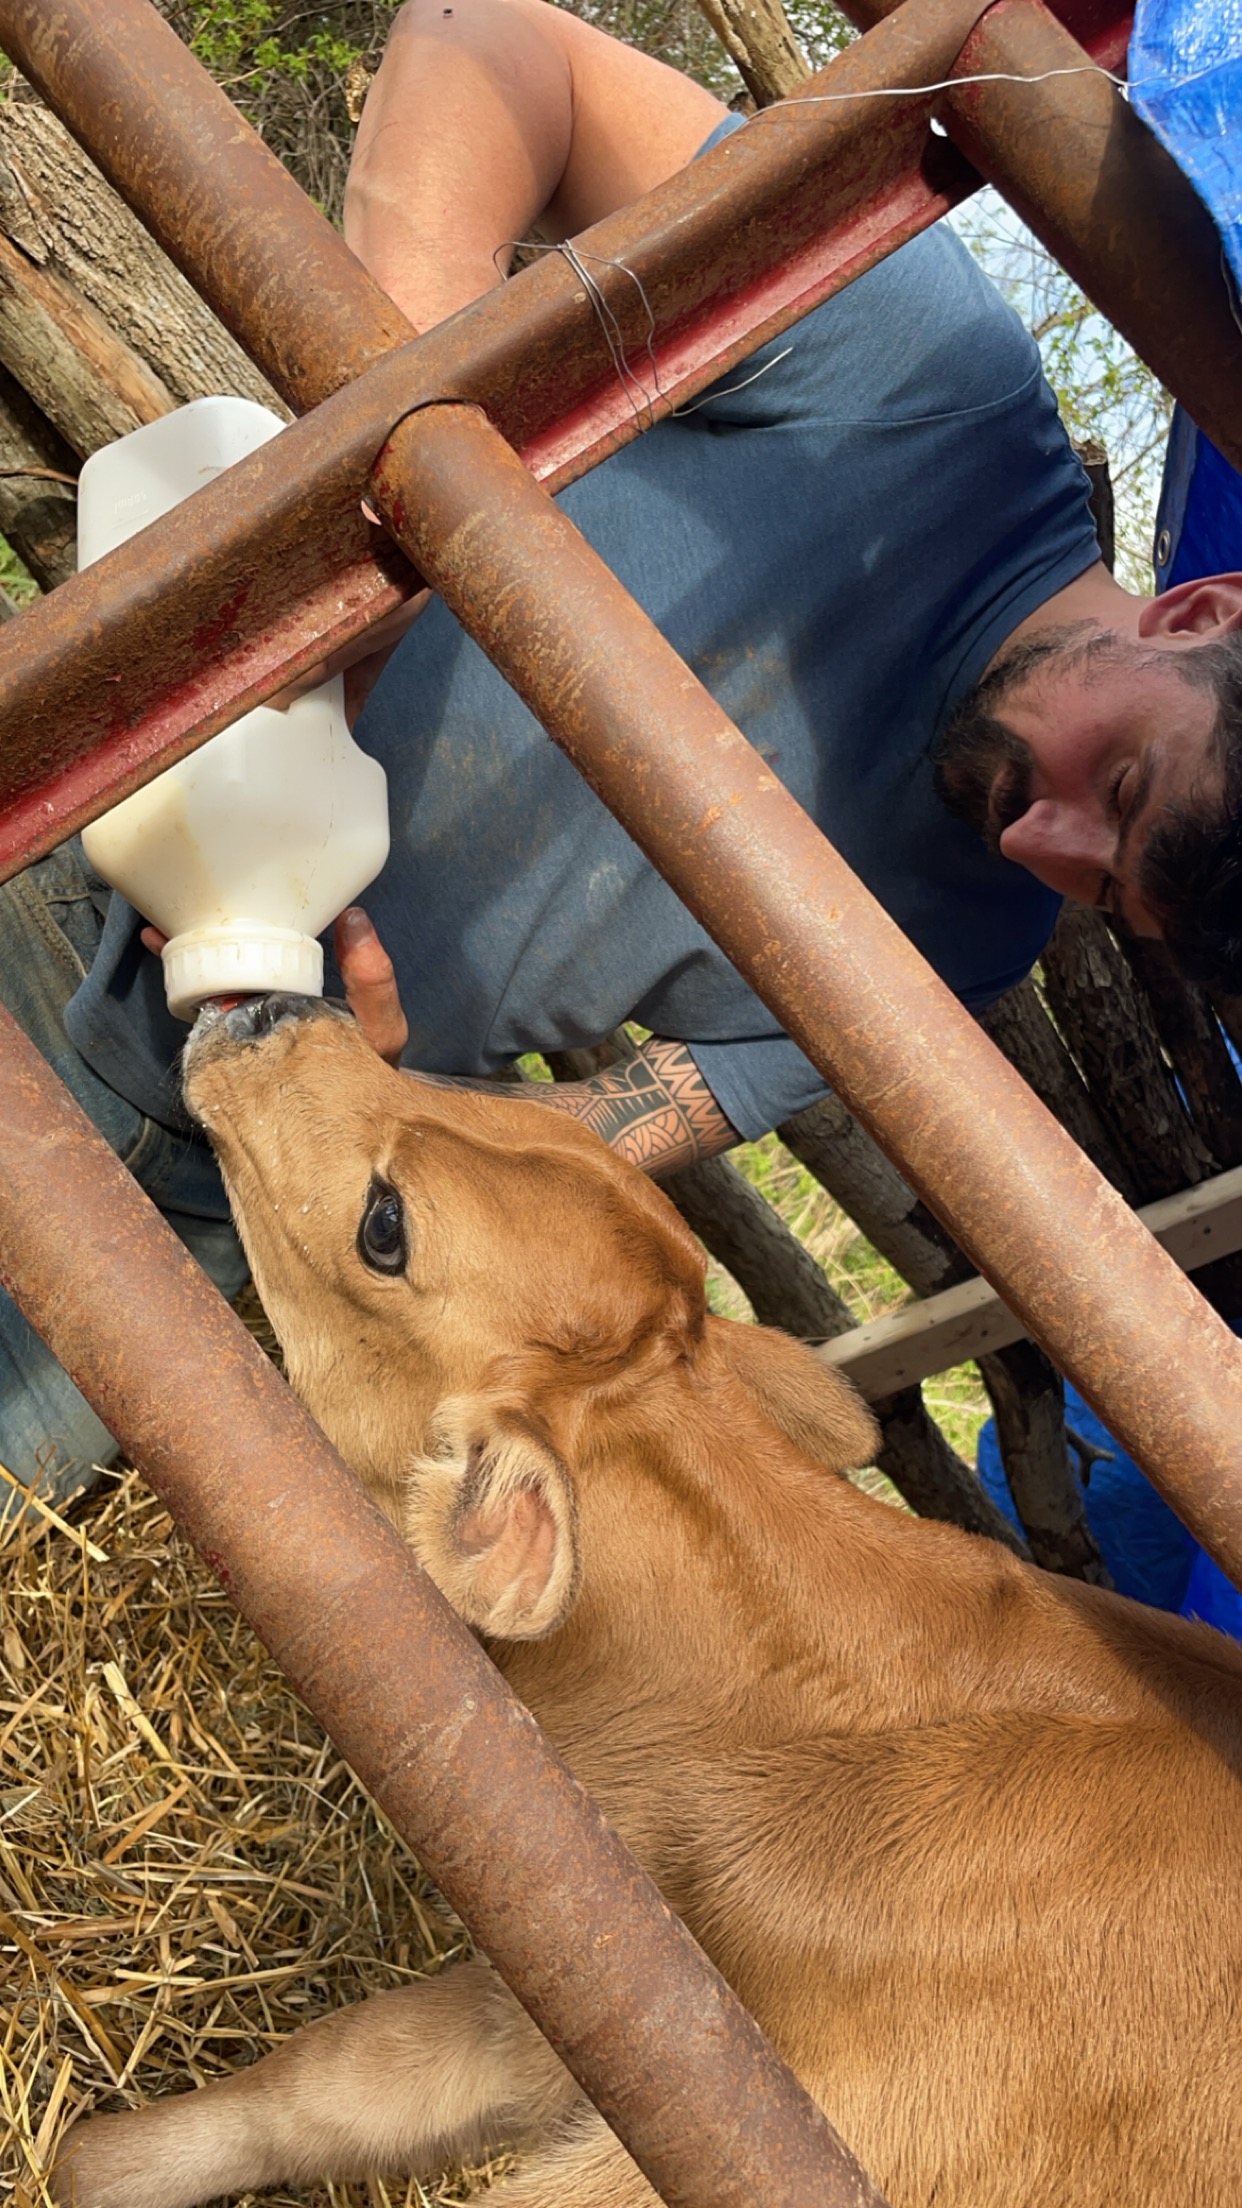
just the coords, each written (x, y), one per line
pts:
(760, 1082)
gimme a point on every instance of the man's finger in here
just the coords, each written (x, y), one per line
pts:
(370, 984)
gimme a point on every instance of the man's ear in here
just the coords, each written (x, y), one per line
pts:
(1196, 611)
(490, 1513)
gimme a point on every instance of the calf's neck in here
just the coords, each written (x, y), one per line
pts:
(965, 1838)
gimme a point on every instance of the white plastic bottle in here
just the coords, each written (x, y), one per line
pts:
(246, 850)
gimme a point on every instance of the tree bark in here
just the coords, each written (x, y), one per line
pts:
(1026, 1391)
(89, 383)
(38, 514)
(1028, 1398)
(1190, 1032)
(1106, 1021)
(788, 1289)
(74, 247)
(757, 36)
(1019, 1026)
(778, 1274)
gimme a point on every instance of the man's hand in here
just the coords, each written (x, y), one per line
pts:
(370, 984)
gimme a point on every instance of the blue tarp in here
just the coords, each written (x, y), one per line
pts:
(1185, 73)
(1186, 81)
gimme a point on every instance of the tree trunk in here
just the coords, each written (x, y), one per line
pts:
(89, 383)
(778, 1274)
(1105, 1019)
(1020, 1027)
(38, 512)
(788, 1289)
(1191, 1034)
(65, 227)
(757, 36)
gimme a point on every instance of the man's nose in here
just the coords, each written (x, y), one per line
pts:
(1067, 847)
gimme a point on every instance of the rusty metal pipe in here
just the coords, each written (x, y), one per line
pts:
(1099, 190)
(632, 2005)
(1060, 1246)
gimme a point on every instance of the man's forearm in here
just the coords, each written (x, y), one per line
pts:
(656, 1109)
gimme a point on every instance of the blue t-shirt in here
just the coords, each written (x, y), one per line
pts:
(837, 547)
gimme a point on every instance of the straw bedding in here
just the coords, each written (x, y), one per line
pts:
(187, 1870)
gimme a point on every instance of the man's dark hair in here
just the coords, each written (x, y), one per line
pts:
(1191, 869)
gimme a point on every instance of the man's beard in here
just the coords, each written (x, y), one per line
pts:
(983, 770)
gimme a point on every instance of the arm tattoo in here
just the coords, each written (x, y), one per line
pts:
(656, 1109)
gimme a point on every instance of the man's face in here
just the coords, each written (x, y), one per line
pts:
(1070, 749)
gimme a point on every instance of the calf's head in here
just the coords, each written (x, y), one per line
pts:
(460, 1281)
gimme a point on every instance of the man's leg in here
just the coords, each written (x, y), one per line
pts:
(49, 933)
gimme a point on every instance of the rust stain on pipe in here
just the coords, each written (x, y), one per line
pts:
(1064, 1251)
(661, 2044)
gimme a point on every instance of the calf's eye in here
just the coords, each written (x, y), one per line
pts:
(382, 1242)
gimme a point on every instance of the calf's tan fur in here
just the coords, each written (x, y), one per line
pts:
(964, 1837)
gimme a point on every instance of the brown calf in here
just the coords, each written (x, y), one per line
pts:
(965, 1838)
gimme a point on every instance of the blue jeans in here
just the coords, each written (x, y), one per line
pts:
(50, 923)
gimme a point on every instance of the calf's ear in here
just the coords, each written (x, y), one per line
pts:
(490, 1513)
(812, 1404)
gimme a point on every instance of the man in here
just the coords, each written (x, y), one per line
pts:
(872, 545)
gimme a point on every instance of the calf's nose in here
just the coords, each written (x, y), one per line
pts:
(256, 1017)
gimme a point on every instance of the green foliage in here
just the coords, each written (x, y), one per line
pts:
(297, 73)
(16, 580)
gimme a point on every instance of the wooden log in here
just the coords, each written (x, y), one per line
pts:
(1190, 1032)
(1106, 1021)
(930, 1475)
(57, 211)
(89, 383)
(757, 36)
(787, 1288)
(38, 512)
(784, 1284)
(829, 1142)
(1028, 1398)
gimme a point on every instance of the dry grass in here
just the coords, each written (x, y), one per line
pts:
(187, 1870)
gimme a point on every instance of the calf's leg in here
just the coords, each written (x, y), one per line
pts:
(409, 2080)
(583, 2166)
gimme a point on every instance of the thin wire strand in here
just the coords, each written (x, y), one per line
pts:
(680, 412)
(610, 326)
(1126, 86)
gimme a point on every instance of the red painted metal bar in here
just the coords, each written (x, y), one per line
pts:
(1060, 1246)
(641, 2018)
